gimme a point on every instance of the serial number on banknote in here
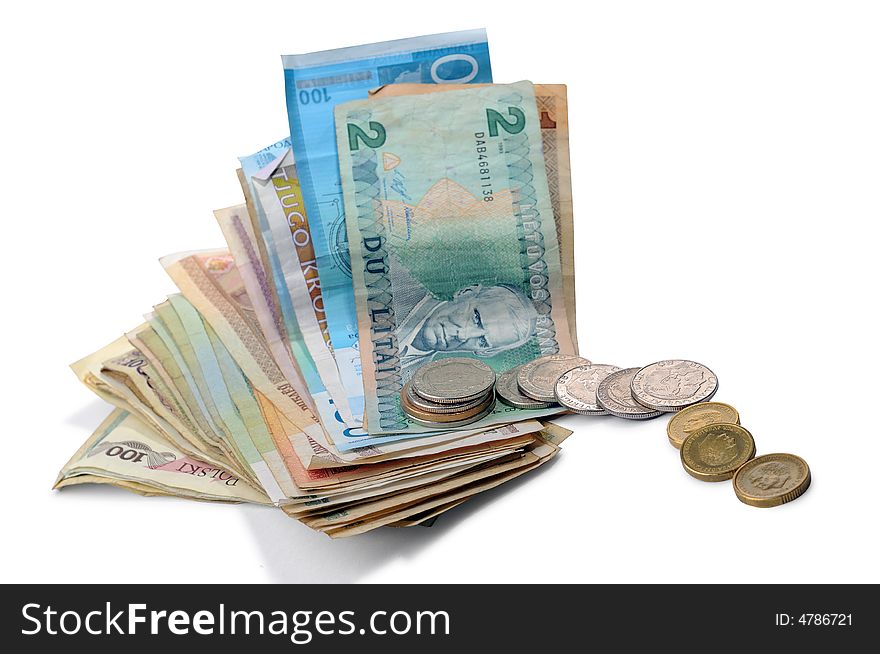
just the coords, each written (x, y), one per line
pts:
(483, 166)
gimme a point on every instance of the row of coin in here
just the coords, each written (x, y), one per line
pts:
(601, 389)
(456, 391)
(715, 447)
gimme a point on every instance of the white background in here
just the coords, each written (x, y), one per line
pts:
(725, 163)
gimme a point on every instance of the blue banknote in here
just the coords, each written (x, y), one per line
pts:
(315, 83)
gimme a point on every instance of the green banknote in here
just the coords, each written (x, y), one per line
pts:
(453, 244)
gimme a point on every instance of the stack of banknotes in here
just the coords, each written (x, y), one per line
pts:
(417, 211)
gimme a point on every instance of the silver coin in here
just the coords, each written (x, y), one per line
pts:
(435, 407)
(537, 378)
(453, 380)
(673, 384)
(576, 388)
(614, 395)
(508, 392)
(457, 423)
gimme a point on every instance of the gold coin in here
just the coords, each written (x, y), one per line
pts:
(714, 452)
(691, 418)
(771, 480)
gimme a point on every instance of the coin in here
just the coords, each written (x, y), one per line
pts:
(714, 452)
(576, 388)
(615, 397)
(537, 378)
(452, 380)
(508, 392)
(673, 384)
(771, 480)
(419, 402)
(449, 420)
(691, 418)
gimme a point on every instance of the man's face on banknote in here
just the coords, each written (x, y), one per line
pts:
(480, 319)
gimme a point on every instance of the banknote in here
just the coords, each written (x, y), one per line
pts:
(315, 83)
(265, 167)
(279, 196)
(228, 390)
(210, 282)
(390, 487)
(258, 286)
(134, 371)
(551, 434)
(251, 165)
(552, 100)
(158, 319)
(340, 480)
(88, 371)
(238, 232)
(147, 341)
(125, 449)
(443, 493)
(202, 373)
(453, 241)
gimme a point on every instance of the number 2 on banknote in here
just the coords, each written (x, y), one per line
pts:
(355, 133)
(496, 119)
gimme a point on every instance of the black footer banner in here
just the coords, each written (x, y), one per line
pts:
(317, 618)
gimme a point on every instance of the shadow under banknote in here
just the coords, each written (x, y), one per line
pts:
(297, 555)
(89, 415)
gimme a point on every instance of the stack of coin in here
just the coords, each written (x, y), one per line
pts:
(449, 393)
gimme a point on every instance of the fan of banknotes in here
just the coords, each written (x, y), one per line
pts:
(418, 218)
